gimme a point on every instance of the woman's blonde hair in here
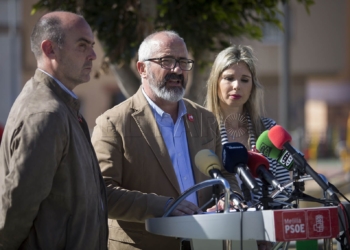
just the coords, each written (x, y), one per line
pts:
(254, 106)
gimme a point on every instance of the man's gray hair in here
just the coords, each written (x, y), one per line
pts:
(148, 46)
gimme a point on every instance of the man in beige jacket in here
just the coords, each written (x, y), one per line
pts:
(147, 144)
(52, 194)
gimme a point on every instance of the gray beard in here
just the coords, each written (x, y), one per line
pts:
(173, 94)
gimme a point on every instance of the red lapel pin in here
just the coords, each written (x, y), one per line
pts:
(190, 117)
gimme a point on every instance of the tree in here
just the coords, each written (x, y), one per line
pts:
(205, 25)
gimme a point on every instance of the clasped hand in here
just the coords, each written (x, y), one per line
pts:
(220, 206)
(188, 208)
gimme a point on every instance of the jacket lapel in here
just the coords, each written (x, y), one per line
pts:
(147, 124)
(194, 138)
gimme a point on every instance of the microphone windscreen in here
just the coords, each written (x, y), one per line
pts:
(233, 153)
(279, 136)
(265, 146)
(255, 160)
(207, 160)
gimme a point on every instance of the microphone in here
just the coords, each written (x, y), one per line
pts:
(280, 138)
(235, 158)
(265, 146)
(259, 167)
(208, 163)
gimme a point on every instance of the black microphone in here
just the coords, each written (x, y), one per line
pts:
(280, 138)
(235, 158)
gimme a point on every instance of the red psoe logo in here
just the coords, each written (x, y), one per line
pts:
(303, 224)
(294, 225)
(319, 224)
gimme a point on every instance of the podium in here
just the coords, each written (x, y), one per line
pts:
(212, 230)
(240, 230)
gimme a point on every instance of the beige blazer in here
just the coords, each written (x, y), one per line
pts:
(138, 172)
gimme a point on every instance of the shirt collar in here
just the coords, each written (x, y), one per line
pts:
(61, 85)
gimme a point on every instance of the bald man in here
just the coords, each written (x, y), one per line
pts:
(52, 195)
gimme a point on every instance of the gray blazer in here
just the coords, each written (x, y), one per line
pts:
(52, 194)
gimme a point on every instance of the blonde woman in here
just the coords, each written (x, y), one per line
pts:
(235, 96)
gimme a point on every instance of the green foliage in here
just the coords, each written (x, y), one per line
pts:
(121, 25)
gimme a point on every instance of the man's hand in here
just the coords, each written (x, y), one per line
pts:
(185, 208)
(220, 206)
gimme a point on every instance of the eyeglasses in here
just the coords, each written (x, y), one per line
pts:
(170, 63)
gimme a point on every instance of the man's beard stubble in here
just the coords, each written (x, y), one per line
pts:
(171, 94)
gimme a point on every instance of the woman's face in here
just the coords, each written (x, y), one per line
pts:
(234, 86)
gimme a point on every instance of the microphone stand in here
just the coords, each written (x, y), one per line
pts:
(199, 186)
(301, 163)
(299, 187)
(216, 195)
(265, 199)
(246, 192)
(327, 243)
(227, 244)
(296, 176)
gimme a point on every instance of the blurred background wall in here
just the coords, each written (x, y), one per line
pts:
(318, 103)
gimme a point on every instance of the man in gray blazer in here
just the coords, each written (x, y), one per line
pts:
(52, 195)
(147, 144)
